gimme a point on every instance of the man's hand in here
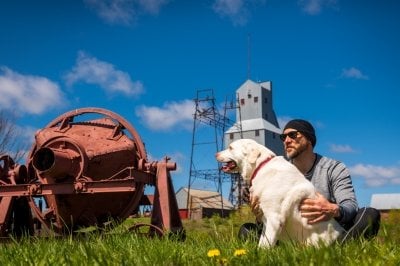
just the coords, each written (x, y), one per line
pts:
(254, 203)
(318, 209)
(255, 208)
(245, 191)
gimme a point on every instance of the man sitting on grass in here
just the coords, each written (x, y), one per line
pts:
(336, 197)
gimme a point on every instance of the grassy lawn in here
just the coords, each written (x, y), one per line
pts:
(209, 242)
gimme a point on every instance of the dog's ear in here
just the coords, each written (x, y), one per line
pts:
(253, 155)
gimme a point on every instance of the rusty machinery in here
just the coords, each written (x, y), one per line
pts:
(87, 172)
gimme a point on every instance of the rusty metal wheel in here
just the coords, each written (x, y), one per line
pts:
(66, 118)
(147, 230)
(94, 117)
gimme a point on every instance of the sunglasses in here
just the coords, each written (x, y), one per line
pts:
(291, 134)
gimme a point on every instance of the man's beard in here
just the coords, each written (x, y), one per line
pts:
(296, 152)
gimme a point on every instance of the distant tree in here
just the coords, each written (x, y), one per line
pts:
(11, 141)
(17, 217)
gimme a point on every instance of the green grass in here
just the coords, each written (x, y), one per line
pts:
(121, 247)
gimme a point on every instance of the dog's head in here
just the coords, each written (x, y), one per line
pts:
(241, 156)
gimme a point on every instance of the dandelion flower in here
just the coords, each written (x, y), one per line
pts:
(213, 253)
(239, 252)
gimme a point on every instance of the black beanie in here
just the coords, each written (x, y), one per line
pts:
(304, 127)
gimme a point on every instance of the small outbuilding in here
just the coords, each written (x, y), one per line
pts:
(200, 204)
(385, 202)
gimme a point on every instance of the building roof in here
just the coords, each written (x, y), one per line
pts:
(202, 198)
(254, 124)
(249, 84)
(385, 201)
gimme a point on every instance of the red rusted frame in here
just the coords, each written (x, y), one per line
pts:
(87, 187)
(165, 207)
(73, 172)
(5, 211)
(165, 213)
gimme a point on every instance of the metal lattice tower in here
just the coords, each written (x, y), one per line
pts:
(235, 194)
(208, 138)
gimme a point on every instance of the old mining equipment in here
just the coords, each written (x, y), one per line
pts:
(87, 172)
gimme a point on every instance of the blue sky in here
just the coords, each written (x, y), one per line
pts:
(334, 63)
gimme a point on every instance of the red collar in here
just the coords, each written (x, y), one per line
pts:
(259, 167)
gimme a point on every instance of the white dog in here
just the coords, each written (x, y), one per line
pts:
(280, 187)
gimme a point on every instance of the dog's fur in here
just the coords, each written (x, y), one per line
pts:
(280, 187)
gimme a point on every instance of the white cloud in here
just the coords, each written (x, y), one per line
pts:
(151, 6)
(176, 157)
(353, 73)
(314, 7)
(341, 148)
(124, 12)
(180, 160)
(283, 120)
(27, 134)
(27, 93)
(93, 71)
(25, 140)
(236, 10)
(396, 181)
(114, 11)
(375, 175)
(172, 115)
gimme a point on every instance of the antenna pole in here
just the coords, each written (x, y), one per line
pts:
(248, 55)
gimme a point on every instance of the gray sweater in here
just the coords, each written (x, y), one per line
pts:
(332, 179)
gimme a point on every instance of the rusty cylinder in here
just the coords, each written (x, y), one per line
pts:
(56, 163)
(88, 147)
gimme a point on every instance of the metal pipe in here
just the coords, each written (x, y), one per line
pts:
(56, 163)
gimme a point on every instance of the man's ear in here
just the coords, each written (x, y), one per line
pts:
(253, 155)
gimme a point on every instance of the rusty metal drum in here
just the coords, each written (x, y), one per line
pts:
(87, 155)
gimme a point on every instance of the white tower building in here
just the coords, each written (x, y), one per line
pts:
(256, 117)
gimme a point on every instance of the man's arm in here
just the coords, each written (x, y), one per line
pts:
(343, 193)
(319, 209)
(338, 200)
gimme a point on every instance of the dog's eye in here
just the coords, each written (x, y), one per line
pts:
(230, 147)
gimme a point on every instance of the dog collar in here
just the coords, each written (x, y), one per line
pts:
(259, 167)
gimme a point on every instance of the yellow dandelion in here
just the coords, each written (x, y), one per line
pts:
(239, 252)
(213, 253)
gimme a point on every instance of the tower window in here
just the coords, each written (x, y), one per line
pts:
(257, 133)
(256, 99)
(242, 101)
(249, 94)
(231, 135)
(265, 100)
